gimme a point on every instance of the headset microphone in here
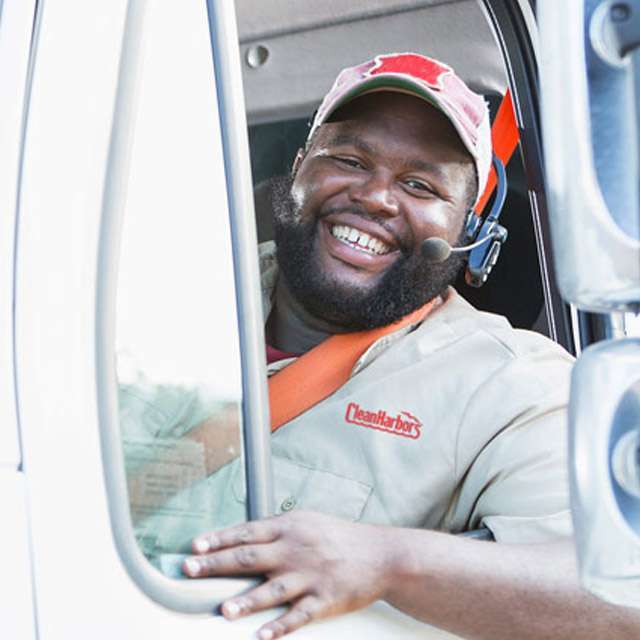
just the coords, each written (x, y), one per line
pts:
(437, 250)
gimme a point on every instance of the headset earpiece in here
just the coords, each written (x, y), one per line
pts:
(482, 259)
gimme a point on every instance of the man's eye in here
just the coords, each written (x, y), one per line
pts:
(418, 185)
(350, 162)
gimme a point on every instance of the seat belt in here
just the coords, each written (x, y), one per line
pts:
(504, 139)
(321, 371)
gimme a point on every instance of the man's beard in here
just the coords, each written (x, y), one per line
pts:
(408, 283)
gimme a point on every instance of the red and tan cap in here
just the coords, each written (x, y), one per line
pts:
(425, 78)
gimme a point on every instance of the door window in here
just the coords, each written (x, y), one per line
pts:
(177, 345)
(170, 375)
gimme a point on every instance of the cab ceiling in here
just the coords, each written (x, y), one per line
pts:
(291, 50)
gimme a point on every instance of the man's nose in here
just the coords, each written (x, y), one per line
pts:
(376, 194)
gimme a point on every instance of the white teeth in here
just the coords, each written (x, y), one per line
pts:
(360, 240)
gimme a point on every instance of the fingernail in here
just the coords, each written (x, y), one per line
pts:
(213, 542)
(232, 609)
(201, 545)
(192, 566)
(265, 634)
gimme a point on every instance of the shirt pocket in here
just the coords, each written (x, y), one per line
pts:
(300, 486)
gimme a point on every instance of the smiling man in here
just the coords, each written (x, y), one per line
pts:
(413, 415)
(383, 175)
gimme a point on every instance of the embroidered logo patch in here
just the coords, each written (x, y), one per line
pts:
(402, 424)
(431, 72)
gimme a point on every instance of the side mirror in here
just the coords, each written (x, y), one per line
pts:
(590, 129)
(604, 426)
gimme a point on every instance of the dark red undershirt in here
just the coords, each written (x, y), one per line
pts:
(275, 355)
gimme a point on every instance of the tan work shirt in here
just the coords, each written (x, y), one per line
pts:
(453, 424)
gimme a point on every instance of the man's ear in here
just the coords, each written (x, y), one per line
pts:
(297, 162)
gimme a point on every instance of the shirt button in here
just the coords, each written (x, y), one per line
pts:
(288, 503)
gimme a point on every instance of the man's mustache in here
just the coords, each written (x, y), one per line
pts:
(283, 203)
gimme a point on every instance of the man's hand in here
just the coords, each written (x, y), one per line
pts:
(322, 566)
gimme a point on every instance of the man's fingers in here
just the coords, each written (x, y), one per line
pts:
(258, 532)
(302, 612)
(243, 560)
(274, 592)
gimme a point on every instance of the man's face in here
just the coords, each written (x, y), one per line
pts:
(384, 175)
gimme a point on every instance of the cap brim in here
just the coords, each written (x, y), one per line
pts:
(400, 84)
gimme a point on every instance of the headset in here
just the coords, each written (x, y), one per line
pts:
(483, 258)
(483, 237)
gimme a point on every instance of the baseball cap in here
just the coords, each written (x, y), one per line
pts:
(426, 78)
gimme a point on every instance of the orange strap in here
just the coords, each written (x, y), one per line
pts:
(504, 137)
(324, 369)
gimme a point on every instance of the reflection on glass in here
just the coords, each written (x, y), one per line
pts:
(178, 359)
(175, 439)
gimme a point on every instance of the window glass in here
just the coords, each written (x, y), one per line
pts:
(177, 345)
